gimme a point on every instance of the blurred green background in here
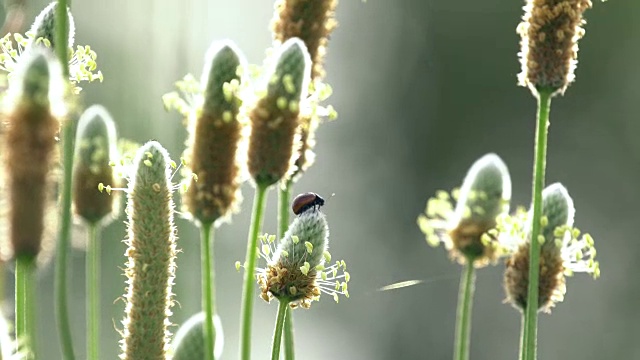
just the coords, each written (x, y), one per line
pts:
(423, 89)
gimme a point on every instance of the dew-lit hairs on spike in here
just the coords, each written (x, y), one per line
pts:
(95, 149)
(215, 138)
(30, 151)
(274, 118)
(150, 266)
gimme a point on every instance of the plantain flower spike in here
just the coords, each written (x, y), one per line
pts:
(150, 268)
(312, 21)
(188, 344)
(562, 253)
(216, 138)
(44, 26)
(298, 269)
(468, 230)
(549, 31)
(274, 118)
(30, 153)
(94, 154)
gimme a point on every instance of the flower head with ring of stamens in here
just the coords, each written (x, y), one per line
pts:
(563, 250)
(298, 269)
(468, 228)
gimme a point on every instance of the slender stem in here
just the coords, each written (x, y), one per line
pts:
(93, 292)
(277, 332)
(531, 312)
(62, 313)
(283, 221)
(25, 305)
(250, 264)
(463, 316)
(206, 240)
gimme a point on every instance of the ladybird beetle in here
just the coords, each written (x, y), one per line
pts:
(306, 201)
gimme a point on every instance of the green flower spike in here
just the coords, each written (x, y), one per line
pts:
(95, 151)
(151, 256)
(468, 229)
(82, 60)
(188, 344)
(297, 270)
(274, 118)
(563, 251)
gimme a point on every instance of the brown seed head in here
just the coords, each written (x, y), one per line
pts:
(312, 21)
(30, 154)
(550, 30)
(215, 135)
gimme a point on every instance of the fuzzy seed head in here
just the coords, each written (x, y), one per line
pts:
(44, 25)
(188, 344)
(549, 31)
(467, 229)
(312, 21)
(29, 156)
(95, 150)
(150, 266)
(561, 253)
(215, 140)
(273, 120)
(297, 270)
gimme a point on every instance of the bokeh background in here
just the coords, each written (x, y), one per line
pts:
(423, 88)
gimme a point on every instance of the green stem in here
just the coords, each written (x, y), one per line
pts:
(531, 312)
(277, 332)
(284, 199)
(289, 348)
(62, 313)
(93, 292)
(250, 264)
(25, 304)
(523, 336)
(206, 239)
(463, 316)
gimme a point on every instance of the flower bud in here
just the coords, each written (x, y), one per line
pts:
(188, 344)
(95, 150)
